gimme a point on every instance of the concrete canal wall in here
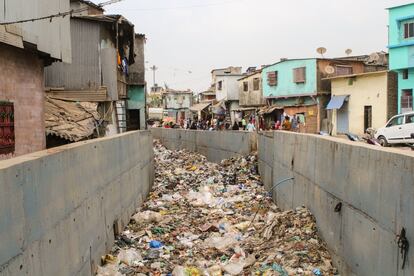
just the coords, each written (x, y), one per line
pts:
(374, 185)
(59, 208)
(215, 145)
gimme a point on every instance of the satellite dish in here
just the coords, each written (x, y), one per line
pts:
(348, 52)
(374, 57)
(329, 70)
(321, 50)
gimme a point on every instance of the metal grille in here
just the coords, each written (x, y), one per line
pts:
(6, 128)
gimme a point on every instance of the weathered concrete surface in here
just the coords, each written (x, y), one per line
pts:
(374, 185)
(215, 145)
(58, 207)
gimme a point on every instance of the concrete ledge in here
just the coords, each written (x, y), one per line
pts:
(58, 207)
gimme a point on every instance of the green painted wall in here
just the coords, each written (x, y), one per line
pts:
(136, 95)
(285, 85)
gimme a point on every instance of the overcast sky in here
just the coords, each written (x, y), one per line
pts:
(186, 39)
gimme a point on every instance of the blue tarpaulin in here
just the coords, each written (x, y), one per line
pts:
(337, 102)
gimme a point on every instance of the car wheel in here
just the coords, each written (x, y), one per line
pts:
(383, 142)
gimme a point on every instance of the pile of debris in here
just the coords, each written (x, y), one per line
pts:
(215, 219)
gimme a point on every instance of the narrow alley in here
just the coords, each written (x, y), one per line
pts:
(204, 218)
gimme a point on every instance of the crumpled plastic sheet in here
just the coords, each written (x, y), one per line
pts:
(200, 214)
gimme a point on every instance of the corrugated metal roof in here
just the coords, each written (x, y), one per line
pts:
(51, 37)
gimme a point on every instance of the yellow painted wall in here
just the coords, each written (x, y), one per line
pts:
(366, 90)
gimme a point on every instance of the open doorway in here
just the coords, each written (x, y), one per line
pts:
(133, 120)
(367, 117)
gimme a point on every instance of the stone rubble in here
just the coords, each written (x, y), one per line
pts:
(198, 221)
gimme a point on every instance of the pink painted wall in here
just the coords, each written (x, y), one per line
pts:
(21, 82)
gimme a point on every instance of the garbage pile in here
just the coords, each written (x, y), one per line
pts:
(215, 219)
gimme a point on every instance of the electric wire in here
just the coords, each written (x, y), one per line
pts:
(60, 14)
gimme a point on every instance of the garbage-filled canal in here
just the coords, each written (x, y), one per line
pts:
(203, 218)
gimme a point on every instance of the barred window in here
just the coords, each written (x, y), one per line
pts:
(7, 142)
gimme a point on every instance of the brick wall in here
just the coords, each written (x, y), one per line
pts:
(311, 117)
(21, 82)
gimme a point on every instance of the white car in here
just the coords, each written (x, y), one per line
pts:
(398, 130)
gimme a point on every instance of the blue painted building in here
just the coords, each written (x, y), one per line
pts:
(401, 52)
(299, 87)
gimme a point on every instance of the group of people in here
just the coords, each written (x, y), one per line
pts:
(290, 124)
(243, 125)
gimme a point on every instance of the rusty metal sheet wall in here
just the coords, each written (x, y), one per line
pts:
(84, 73)
(51, 37)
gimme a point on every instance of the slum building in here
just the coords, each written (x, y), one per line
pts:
(103, 51)
(401, 47)
(225, 85)
(137, 113)
(302, 88)
(177, 104)
(25, 49)
(250, 95)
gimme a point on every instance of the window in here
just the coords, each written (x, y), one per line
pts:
(408, 30)
(343, 70)
(409, 119)
(6, 128)
(220, 85)
(405, 74)
(299, 75)
(256, 84)
(406, 100)
(245, 86)
(272, 78)
(396, 121)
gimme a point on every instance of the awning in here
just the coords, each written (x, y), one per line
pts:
(269, 109)
(337, 102)
(199, 107)
(244, 109)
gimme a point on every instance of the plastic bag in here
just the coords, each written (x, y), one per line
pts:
(130, 257)
(221, 243)
(109, 270)
(147, 216)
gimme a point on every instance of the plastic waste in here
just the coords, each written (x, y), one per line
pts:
(221, 243)
(317, 272)
(147, 216)
(109, 270)
(129, 257)
(156, 244)
(234, 268)
(153, 254)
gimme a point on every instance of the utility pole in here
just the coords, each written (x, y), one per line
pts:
(153, 68)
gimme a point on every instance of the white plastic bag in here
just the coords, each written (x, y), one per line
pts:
(130, 257)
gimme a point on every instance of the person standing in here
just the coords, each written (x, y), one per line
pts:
(250, 127)
(294, 123)
(286, 124)
(244, 124)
